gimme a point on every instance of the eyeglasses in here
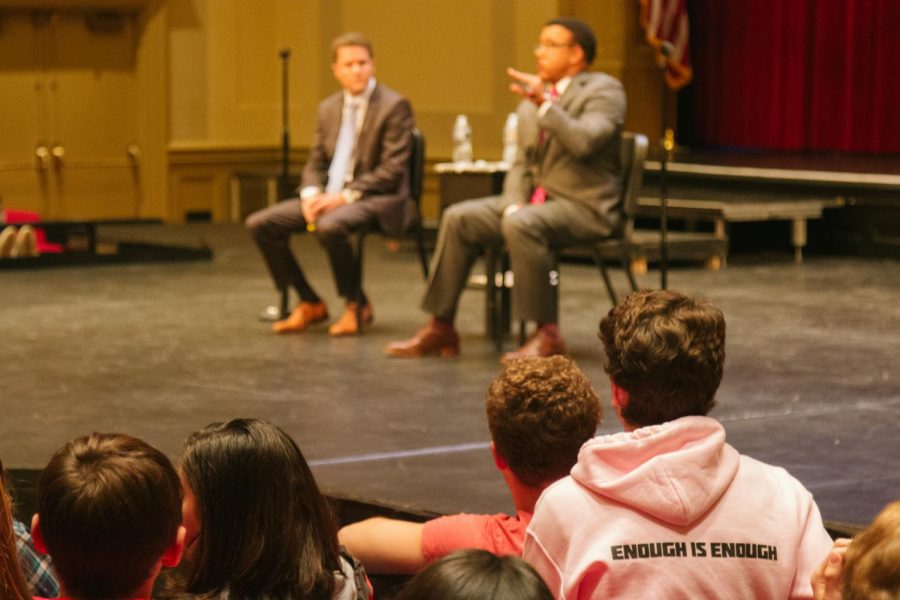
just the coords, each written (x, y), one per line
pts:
(550, 46)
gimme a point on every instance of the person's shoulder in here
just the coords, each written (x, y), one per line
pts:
(779, 477)
(599, 80)
(332, 99)
(388, 95)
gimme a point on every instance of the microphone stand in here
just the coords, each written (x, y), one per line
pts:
(667, 145)
(284, 187)
(272, 312)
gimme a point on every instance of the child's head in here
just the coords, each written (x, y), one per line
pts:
(540, 411)
(476, 575)
(109, 514)
(256, 522)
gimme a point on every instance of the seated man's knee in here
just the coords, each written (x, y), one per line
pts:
(255, 223)
(514, 225)
(328, 231)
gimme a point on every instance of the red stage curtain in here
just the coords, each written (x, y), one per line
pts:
(797, 74)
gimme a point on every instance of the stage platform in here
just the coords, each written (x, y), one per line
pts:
(160, 350)
(850, 202)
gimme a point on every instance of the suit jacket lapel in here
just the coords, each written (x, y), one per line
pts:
(365, 132)
(333, 120)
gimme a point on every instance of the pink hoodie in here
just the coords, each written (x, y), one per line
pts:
(672, 511)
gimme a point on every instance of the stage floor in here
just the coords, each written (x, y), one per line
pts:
(811, 380)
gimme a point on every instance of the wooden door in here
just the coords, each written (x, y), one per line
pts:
(24, 155)
(93, 145)
(68, 122)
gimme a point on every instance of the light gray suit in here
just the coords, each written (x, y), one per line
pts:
(577, 163)
(380, 174)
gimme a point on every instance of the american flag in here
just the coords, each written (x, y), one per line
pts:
(667, 21)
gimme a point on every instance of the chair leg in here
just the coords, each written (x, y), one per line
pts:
(423, 256)
(491, 294)
(604, 273)
(626, 265)
(285, 300)
(360, 245)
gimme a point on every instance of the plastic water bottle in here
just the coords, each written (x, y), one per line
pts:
(510, 138)
(462, 140)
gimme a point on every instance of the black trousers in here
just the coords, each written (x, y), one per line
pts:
(273, 226)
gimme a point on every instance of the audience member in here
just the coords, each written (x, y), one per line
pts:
(868, 568)
(37, 568)
(109, 513)
(476, 575)
(12, 580)
(668, 509)
(356, 175)
(540, 411)
(257, 526)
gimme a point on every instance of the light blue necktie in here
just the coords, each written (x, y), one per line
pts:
(343, 150)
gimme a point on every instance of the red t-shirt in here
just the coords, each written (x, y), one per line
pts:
(500, 534)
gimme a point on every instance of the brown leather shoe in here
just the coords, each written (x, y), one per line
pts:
(346, 325)
(435, 338)
(542, 342)
(304, 315)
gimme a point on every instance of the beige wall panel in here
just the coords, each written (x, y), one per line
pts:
(199, 191)
(93, 88)
(437, 49)
(24, 189)
(96, 193)
(23, 114)
(243, 42)
(152, 108)
(188, 80)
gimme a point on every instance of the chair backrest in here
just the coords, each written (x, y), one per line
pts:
(416, 166)
(633, 155)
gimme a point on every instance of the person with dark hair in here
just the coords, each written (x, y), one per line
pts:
(12, 580)
(866, 567)
(668, 508)
(539, 411)
(257, 526)
(356, 175)
(37, 568)
(562, 189)
(109, 513)
(476, 575)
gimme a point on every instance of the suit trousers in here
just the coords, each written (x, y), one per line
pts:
(532, 234)
(273, 226)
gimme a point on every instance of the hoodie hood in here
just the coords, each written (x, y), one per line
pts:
(673, 472)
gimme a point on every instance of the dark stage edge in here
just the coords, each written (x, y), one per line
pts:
(160, 350)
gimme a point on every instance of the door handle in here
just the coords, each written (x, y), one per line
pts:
(42, 157)
(59, 153)
(134, 154)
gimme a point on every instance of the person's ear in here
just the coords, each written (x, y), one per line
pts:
(619, 396)
(172, 555)
(499, 461)
(36, 535)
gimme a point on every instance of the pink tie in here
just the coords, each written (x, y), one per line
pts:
(539, 195)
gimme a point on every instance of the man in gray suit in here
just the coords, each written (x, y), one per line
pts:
(562, 189)
(357, 173)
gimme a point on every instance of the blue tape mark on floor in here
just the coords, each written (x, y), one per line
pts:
(359, 458)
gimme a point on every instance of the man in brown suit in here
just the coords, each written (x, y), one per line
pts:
(357, 173)
(563, 189)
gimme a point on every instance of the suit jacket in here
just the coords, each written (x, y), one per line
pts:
(381, 167)
(579, 158)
